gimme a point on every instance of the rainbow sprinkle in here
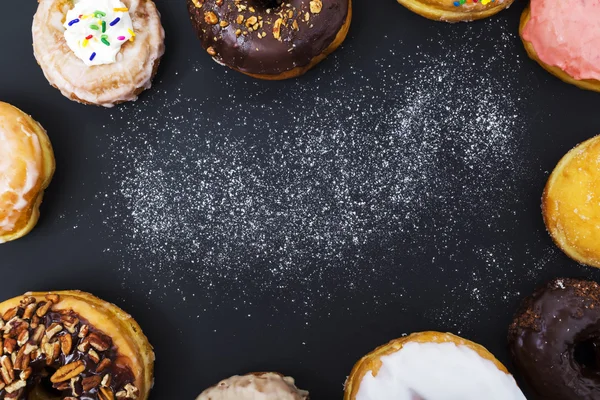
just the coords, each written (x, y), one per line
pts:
(121, 9)
(94, 27)
(93, 56)
(121, 38)
(132, 33)
(99, 14)
(116, 21)
(73, 22)
(103, 26)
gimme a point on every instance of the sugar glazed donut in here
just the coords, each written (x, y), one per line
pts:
(70, 344)
(456, 10)
(26, 169)
(571, 203)
(558, 35)
(555, 337)
(270, 39)
(260, 385)
(431, 366)
(100, 52)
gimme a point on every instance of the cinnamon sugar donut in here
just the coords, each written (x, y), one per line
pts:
(270, 39)
(26, 169)
(101, 52)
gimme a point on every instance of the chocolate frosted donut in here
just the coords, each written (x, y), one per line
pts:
(270, 39)
(555, 340)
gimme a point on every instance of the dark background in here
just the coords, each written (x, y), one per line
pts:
(240, 325)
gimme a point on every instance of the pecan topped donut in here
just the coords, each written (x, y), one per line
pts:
(270, 39)
(71, 345)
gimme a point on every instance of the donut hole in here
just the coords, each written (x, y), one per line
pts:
(586, 354)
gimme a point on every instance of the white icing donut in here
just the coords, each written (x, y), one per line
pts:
(108, 84)
(437, 371)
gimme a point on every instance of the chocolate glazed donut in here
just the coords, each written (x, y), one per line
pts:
(270, 39)
(555, 340)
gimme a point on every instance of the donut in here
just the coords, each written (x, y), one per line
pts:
(270, 39)
(254, 386)
(554, 340)
(69, 345)
(558, 35)
(100, 52)
(456, 10)
(26, 169)
(571, 203)
(431, 366)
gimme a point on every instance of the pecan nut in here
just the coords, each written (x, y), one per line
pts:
(67, 372)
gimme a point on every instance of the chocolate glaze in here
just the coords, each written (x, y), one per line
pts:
(551, 324)
(120, 374)
(267, 55)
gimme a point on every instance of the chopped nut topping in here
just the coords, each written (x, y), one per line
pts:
(68, 372)
(25, 339)
(211, 18)
(316, 6)
(105, 394)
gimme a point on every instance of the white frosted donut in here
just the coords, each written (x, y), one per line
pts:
(431, 366)
(137, 54)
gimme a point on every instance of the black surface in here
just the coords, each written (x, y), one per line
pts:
(204, 338)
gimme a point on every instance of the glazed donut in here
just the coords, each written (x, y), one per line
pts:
(79, 345)
(571, 203)
(261, 385)
(101, 52)
(558, 35)
(270, 39)
(456, 10)
(26, 169)
(431, 366)
(555, 340)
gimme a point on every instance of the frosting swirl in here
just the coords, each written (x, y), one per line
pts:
(95, 30)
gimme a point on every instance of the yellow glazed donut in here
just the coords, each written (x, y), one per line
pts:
(80, 345)
(431, 366)
(571, 203)
(26, 169)
(456, 10)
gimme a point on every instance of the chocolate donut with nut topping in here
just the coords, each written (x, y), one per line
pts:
(270, 39)
(72, 345)
(555, 340)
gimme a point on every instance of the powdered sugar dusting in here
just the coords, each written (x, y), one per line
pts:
(306, 195)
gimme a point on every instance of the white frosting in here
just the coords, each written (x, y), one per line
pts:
(266, 386)
(114, 28)
(20, 164)
(437, 371)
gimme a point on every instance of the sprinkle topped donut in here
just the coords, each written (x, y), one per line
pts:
(270, 39)
(456, 10)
